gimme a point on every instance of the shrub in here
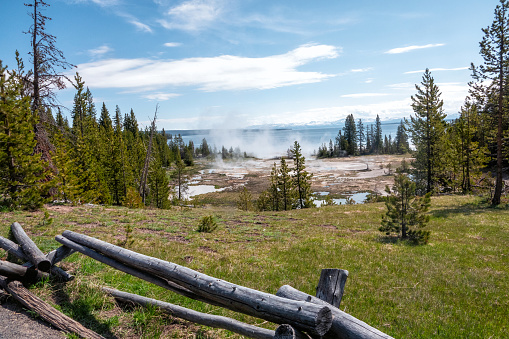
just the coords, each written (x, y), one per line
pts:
(207, 224)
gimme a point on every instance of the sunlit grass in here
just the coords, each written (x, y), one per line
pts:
(457, 286)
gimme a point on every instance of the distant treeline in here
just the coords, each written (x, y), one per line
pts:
(359, 139)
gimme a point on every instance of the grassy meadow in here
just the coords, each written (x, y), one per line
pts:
(457, 286)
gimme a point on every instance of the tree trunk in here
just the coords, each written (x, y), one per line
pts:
(194, 316)
(30, 249)
(331, 286)
(48, 313)
(344, 326)
(304, 316)
(286, 331)
(18, 272)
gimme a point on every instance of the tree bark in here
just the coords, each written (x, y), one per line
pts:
(331, 286)
(47, 312)
(30, 249)
(304, 316)
(18, 272)
(12, 248)
(247, 330)
(132, 271)
(344, 326)
(286, 331)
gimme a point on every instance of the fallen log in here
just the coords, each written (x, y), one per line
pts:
(344, 326)
(332, 285)
(30, 249)
(306, 317)
(12, 248)
(286, 331)
(130, 270)
(210, 320)
(45, 311)
(18, 272)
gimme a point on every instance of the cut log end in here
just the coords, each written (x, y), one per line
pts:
(286, 331)
(44, 265)
(323, 321)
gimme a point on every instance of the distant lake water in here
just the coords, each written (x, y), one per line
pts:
(267, 143)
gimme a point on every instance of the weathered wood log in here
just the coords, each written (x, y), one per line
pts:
(286, 331)
(47, 312)
(306, 317)
(344, 326)
(59, 254)
(130, 270)
(13, 248)
(18, 272)
(30, 249)
(331, 285)
(233, 325)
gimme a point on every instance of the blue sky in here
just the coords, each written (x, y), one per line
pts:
(240, 63)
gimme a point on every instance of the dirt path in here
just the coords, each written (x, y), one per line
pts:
(16, 323)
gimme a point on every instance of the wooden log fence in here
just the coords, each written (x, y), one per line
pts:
(299, 315)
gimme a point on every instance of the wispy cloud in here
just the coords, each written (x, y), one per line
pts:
(361, 70)
(192, 15)
(411, 48)
(438, 70)
(220, 73)
(364, 95)
(173, 44)
(160, 96)
(141, 26)
(99, 51)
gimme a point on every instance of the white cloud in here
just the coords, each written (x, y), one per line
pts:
(402, 85)
(193, 15)
(364, 95)
(173, 44)
(361, 70)
(220, 73)
(438, 70)
(100, 51)
(158, 96)
(369, 80)
(141, 26)
(411, 48)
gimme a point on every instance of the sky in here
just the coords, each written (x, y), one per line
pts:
(244, 63)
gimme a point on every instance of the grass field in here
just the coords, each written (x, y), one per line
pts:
(457, 286)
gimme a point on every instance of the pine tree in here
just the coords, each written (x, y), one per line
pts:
(274, 192)
(350, 133)
(301, 178)
(495, 72)
(377, 136)
(405, 212)
(361, 136)
(159, 185)
(401, 139)
(179, 175)
(427, 126)
(23, 178)
(286, 186)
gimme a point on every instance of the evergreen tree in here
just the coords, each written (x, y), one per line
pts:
(405, 212)
(159, 185)
(23, 178)
(245, 200)
(377, 136)
(495, 72)
(179, 175)
(274, 192)
(350, 134)
(286, 186)
(401, 139)
(361, 136)
(301, 178)
(427, 126)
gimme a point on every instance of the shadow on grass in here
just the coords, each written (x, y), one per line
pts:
(465, 209)
(80, 310)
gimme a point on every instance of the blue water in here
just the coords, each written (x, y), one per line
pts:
(266, 143)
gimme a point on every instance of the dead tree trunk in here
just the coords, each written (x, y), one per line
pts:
(48, 313)
(344, 326)
(331, 286)
(286, 331)
(30, 249)
(306, 317)
(194, 316)
(132, 271)
(18, 272)
(12, 248)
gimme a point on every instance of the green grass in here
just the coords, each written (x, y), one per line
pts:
(455, 287)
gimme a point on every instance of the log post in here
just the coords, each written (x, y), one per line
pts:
(306, 317)
(344, 326)
(210, 320)
(48, 313)
(30, 249)
(332, 285)
(18, 272)
(286, 331)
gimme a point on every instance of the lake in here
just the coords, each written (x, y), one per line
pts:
(267, 143)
